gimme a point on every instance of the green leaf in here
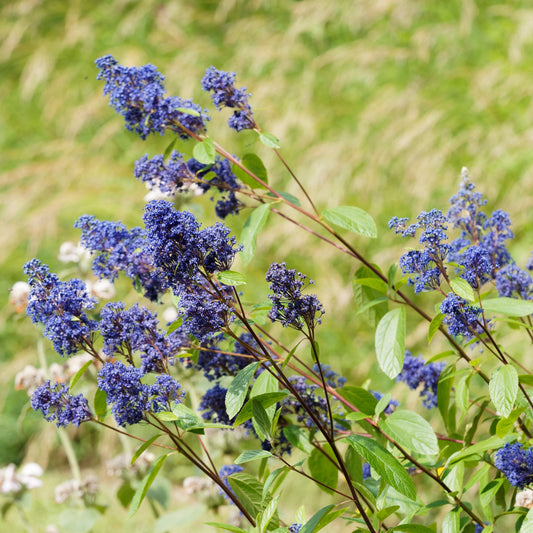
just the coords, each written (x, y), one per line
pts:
(329, 517)
(503, 389)
(384, 463)
(527, 524)
(454, 477)
(434, 326)
(229, 277)
(263, 520)
(450, 523)
(382, 404)
(175, 325)
(412, 528)
(177, 519)
(508, 306)
(243, 176)
(169, 148)
(274, 480)
(476, 449)
(261, 421)
(254, 164)
(526, 379)
(78, 520)
(311, 525)
(411, 431)
(287, 196)
(188, 111)
(323, 469)
(369, 301)
(166, 416)
(100, 404)
(140, 493)
(266, 400)
(76, 377)
(251, 455)
(269, 140)
(505, 424)
(251, 229)
(298, 437)
(248, 490)
(353, 219)
(462, 288)
(374, 283)
(487, 495)
(144, 446)
(204, 152)
(238, 389)
(360, 398)
(390, 342)
(226, 527)
(125, 494)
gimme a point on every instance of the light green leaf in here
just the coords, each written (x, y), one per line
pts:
(251, 455)
(508, 306)
(450, 523)
(188, 111)
(266, 400)
(269, 140)
(204, 152)
(144, 446)
(166, 416)
(374, 283)
(390, 342)
(488, 494)
(434, 326)
(78, 520)
(462, 288)
(411, 431)
(251, 229)
(353, 219)
(229, 277)
(412, 528)
(174, 522)
(527, 524)
(100, 404)
(323, 470)
(226, 527)
(311, 525)
(248, 490)
(287, 196)
(384, 463)
(238, 389)
(476, 449)
(140, 493)
(503, 389)
(76, 377)
(266, 516)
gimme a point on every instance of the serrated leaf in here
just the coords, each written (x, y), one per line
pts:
(251, 455)
(390, 342)
(351, 218)
(269, 140)
(204, 152)
(267, 515)
(434, 326)
(76, 377)
(503, 389)
(311, 525)
(147, 481)
(251, 229)
(232, 278)
(248, 490)
(508, 306)
(144, 446)
(384, 463)
(238, 389)
(323, 470)
(411, 431)
(462, 288)
(298, 437)
(268, 399)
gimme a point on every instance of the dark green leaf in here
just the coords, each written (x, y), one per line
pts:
(140, 493)
(169, 148)
(144, 446)
(503, 389)
(287, 196)
(253, 163)
(323, 469)
(526, 379)
(238, 389)
(311, 525)
(411, 431)
(251, 229)
(76, 377)
(390, 342)
(329, 517)
(298, 437)
(125, 494)
(360, 398)
(412, 528)
(351, 218)
(261, 421)
(269, 140)
(508, 306)
(229, 277)
(384, 463)
(204, 152)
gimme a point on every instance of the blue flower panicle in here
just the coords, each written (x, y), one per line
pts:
(461, 317)
(516, 463)
(60, 306)
(138, 94)
(213, 405)
(416, 373)
(289, 306)
(224, 473)
(131, 399)
(224, 94)
(56, 404)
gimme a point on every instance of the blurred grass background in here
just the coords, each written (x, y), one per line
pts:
(377, 103)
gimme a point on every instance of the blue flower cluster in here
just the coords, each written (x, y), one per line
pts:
(213, 405)
(131, 399)
(57, 404)
(516, 463)
(137, 93)
(118, 249)
(416, 373)
(461, 317)
(60, 306)
(295, 528)
(331, 377)
(224, 473)
(135, 330)
(308, 392)
(289, 306)
(225, 94)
